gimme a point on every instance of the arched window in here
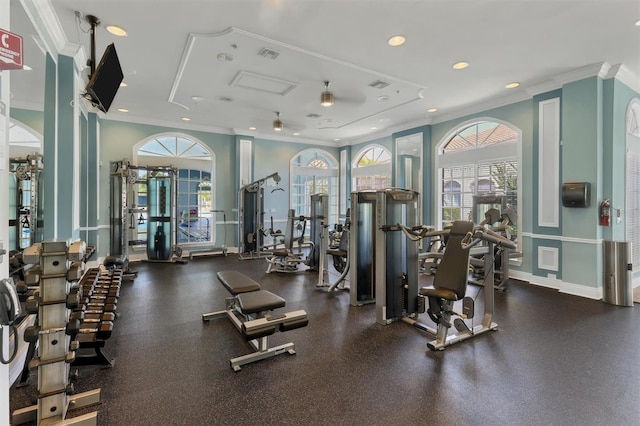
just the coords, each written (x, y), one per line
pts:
(478, 158)
(372, 169)
(314, 172)
(196, 189)
(632, 193)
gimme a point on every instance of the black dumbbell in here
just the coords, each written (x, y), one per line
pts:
(73, 298)
(31, 306)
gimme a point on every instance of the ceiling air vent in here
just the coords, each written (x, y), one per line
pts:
(379, 84)
(268, 53)
(312, 115)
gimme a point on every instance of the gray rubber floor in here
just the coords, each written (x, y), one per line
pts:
(555, 359)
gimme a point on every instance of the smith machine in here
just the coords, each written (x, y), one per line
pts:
(143, 210)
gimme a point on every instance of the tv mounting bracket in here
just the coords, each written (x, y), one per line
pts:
(94, 22)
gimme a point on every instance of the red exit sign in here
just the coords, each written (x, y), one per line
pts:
(10, 51)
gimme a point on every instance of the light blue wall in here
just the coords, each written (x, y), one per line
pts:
(64, 162)
(617, 97)
(582, 151)
(33, 119)
(49, 213)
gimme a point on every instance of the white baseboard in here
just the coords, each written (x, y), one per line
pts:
(557, 284)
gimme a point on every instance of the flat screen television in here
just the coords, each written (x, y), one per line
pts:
(106, 79)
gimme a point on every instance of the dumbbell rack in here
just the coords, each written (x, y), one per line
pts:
(60, 264)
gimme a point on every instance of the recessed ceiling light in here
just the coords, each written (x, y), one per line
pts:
(460, 65)
(185, 119)
(638, 23)
(432, 109)
(336, 139)
(512, 85)
(123, 110)
(383, 98)
(327, 120)
(197, 98)
(374, 128)
(296, 134)
(27, 68)
(396, 40)
(384, 120)
(116, 30)
(123, 84)
(252, 128)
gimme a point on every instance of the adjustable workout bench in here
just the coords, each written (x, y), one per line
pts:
(248, 309)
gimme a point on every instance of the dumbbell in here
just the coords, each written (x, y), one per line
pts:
(102, 330)
(98, 305)
(113, 291)
(82, 316)
(72, 301)
(109, 292)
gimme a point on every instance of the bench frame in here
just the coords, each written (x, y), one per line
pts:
(255, 322)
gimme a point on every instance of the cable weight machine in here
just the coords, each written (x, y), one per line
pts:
(251, 229)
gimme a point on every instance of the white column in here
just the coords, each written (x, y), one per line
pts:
(4, 213)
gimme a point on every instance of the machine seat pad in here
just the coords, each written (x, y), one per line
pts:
(237, 282)
(281, 253)
(259, 301)
(337, 252)
(110, 261)
(441, 293)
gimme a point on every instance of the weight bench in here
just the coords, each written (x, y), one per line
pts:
(248, 309)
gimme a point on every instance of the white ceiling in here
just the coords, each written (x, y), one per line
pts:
(171, 54)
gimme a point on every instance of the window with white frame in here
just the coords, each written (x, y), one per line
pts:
(314, 172)
(632, 190)
(478, 158)
(371, 169)
(195, 192)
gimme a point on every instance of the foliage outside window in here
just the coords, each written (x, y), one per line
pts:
(471, 170)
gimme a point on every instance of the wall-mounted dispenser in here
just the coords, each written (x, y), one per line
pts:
(576, 194)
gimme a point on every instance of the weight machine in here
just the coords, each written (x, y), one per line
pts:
(499, 217)
(397, 294)
(251, 230)
(450, 283)
(25, 207)
(285, 259)
(336, 243)
(142, 210)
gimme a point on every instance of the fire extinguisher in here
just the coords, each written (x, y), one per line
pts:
(605, 212)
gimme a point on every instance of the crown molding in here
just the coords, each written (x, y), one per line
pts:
(626, 76)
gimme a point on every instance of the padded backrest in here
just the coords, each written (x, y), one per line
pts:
(454, 266)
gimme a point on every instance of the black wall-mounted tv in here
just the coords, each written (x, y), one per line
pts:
(106, 79)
